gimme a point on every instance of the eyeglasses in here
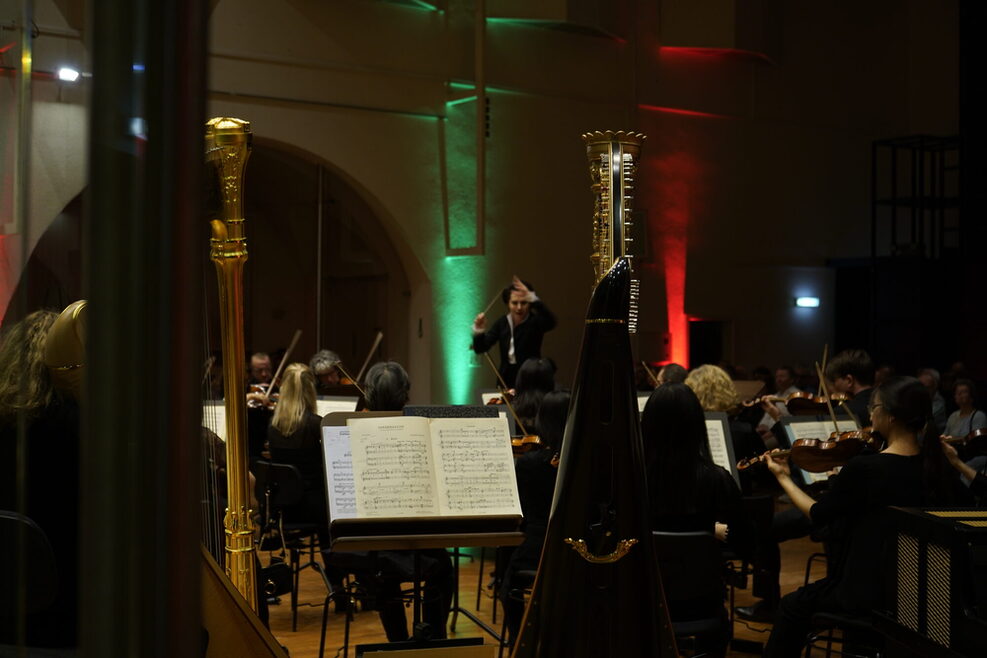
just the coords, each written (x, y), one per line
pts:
(872, 407)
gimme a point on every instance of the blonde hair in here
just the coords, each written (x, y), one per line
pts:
(25, 385)
(297, 398)
(714, 388)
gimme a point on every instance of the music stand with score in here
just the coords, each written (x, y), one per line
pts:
(407, 533)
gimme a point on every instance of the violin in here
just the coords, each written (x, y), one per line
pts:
(800, 403)
(504, 398)
(259, 398)
(820, 455)
(975, 442)
(523, 444)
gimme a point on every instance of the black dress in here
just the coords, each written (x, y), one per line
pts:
(52, 502)
(303, 449)
(853, 510)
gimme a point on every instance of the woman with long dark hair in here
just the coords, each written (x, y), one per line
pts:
(535, 379)
(906, 473)
(687, 491)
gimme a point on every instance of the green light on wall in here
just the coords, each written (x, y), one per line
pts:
(458, 297)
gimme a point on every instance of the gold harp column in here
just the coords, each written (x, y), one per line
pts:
(228, 147)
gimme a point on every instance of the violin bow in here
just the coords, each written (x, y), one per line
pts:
(339, 365)
(366, 362)
(503, 392)
(207, 368)
(284, 362)
(647, 369)
(829, 402)
(825, 357)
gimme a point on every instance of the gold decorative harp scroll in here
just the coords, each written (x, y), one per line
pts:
(228, 147)
(613, 158)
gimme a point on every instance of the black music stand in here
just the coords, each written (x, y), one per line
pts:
(415, 534)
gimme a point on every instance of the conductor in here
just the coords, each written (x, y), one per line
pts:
(519, 332)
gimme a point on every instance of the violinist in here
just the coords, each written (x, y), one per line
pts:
(852, 373)
(519, 333)
(324, 366)
(536, 474)
(902, 475)
(716, 392)
(972, 478)
(784, 380)
(260, 370)
(294, 438)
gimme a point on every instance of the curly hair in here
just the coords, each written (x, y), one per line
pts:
(714, 388)
(25, 385)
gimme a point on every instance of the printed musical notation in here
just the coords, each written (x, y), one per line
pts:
(718, 444)
(339, 472)
(411, 467)
(476, 466)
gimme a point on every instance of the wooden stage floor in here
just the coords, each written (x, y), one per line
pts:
(304, 643)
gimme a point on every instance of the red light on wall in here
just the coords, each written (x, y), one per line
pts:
(688, 113)
(677, 175)
(712, 53)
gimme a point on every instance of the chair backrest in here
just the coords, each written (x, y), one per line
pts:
(24, 550)
(692, 569)
(279, 485)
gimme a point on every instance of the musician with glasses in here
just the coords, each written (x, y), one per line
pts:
(907, 473)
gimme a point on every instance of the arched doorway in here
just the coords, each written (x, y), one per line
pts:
(320, 261)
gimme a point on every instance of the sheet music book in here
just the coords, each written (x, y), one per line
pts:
(214, 417)
(413, 467)
(720, 442)
(326, 404)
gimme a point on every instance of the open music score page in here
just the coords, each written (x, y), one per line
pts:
(410, 466)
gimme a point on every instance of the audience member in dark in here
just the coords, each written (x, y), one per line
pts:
(930, 379)
(967, 417)
(536, 473)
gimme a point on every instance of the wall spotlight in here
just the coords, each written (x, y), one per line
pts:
(68, 74)
(807, 302)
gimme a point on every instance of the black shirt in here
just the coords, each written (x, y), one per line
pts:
(527, 339)
(717, 499)
(853, 509)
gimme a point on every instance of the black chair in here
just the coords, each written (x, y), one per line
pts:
(280, 488)
(521, 586)
(856, 636)
(25, 554)
(692, 575)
